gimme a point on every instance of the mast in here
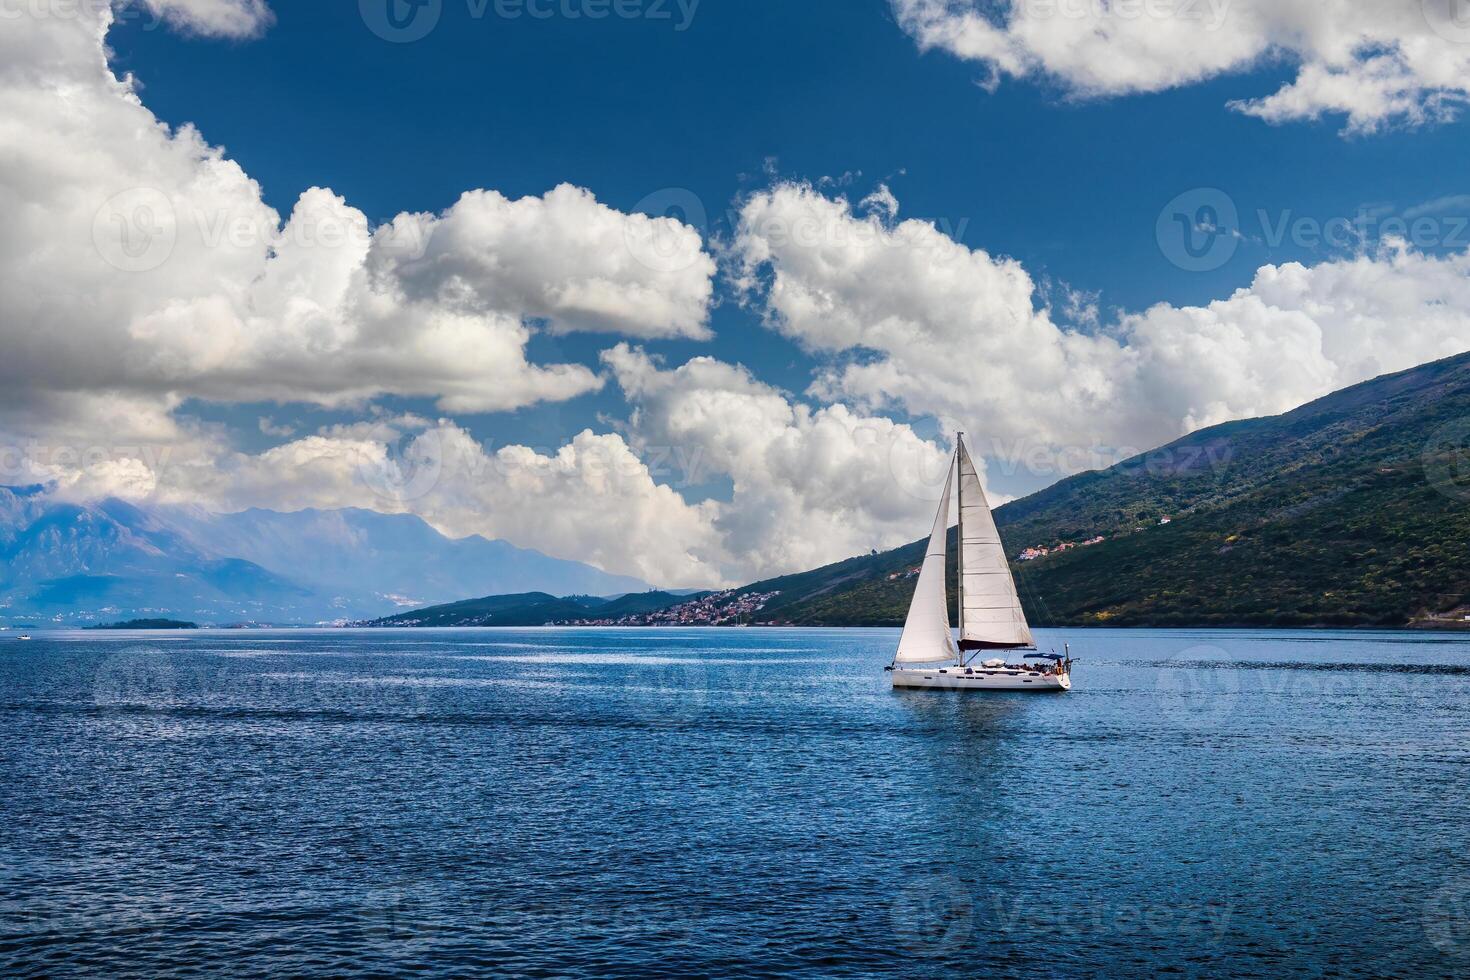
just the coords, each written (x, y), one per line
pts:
(959, 454)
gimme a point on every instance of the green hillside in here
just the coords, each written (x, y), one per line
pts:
(1352, 510)
(638, 603)
(532, 609)
(529, 609)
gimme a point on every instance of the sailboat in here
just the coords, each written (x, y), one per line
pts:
(991, 618)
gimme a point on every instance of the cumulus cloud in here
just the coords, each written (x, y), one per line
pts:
(141, 268)
(564, 258)
(908, 317)
(809, 486)
(162, 274)
(1389, 61)
(592, 500)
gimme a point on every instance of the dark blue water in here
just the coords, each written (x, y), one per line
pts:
(586, 803)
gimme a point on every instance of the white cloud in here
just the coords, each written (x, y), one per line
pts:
(269, 427)
(904, 316)
(214, 18)
(592, 500)
(126, 478)
(809, 486)
(140, 267)
(1387, 61)
(909, 317)
(164, 276)
(563, 257)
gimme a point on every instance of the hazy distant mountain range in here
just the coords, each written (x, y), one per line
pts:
(77, 564)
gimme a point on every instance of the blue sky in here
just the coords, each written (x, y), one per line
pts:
(821, 87)
(1073, 231)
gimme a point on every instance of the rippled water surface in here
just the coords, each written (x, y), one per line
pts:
(562, 802)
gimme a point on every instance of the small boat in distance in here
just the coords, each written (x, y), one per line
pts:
(991, 619)
(24, 636)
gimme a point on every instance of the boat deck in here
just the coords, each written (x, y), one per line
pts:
(980, 679)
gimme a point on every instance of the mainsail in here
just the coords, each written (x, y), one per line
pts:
(926, 635)
(990, 610)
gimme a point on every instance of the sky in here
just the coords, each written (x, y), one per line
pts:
(701, 291)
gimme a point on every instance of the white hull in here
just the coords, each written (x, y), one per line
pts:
(979, 679)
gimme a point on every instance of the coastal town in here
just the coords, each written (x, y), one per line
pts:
(1033, 554)
(715, 609)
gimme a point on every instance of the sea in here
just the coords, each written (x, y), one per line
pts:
(729, 803)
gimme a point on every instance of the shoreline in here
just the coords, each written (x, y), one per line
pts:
(1413, 627)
